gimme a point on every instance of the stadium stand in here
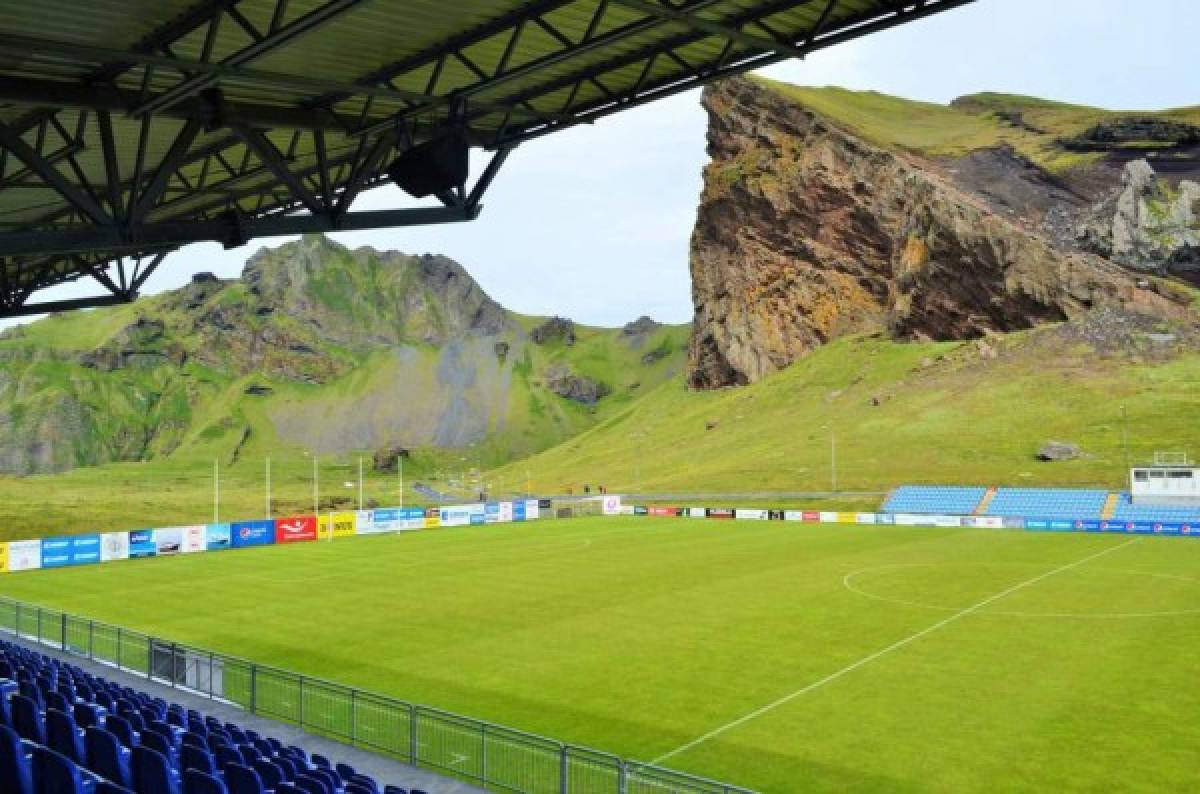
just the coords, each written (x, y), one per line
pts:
(66, 731)
(1048, 503)
(935, 499)
(1126, 510)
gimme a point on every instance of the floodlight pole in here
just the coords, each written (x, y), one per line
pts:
(833, 457)
(360, 483)
(316, 492)
(216, 491)
(400, 468)
(268, 487)
(1125, 435)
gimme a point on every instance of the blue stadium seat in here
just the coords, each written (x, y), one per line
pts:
(269, 772)
(1062, 503)
(935, 499)
(27, 719)
(197, 782)
(63, 737)
(241, 779)
(120, 727)
(108, 787)
(152, 773)
(106, 757)
(16, 774)
(57, 774)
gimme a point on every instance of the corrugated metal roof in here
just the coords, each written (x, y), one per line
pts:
(197, 84)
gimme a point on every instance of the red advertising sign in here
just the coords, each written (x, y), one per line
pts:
(295, 529)
(663, 511)
(810, 516)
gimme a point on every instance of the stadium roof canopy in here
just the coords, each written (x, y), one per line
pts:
(131, 127)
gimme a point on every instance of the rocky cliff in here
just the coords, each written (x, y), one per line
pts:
(819, 223)
(316, 347)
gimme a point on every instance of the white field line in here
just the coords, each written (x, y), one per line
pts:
(895, 646)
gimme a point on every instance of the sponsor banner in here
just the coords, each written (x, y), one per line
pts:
(627, 510)
(989, 522)
(1012, 522)
(218, 537)
(432, 521)
(56, 552)
(793, 515)
(85, 549)
(1087, 526)
(946, 521)
(1140, 527)
(114, 546)
(195, 539)
(391, 519)
(544, 504)
(533, 509)
(744, 514)
(885, 518)
(775, 515)
(847, 518)
(1187, 529)
(491, 512)
(24, 555)
(810, 516)
(639, 510)
(141, 543)
(1062, 525)
(864, 518)
(828, 517)
(168, 540)
(3, 557)
(477, 519)
(969, 521)
(462, 515)
(910, 520)
(663, 512)
(506, 512)
(723, 513)
(1169, 529)
(518, 510)
(337, 525)
(696, 512)
(1037, 523)
(296, 529)
(611, 505)
(252, 533)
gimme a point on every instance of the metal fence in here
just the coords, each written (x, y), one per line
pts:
(492, 756)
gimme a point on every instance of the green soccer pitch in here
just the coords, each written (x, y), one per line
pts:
(782, 657)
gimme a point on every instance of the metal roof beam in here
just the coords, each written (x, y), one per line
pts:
(77, 197)
(264, 46)
(672, 14)
(228, 230)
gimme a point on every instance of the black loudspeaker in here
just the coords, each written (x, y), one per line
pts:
(432, 167)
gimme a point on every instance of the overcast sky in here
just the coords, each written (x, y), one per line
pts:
(593, 223)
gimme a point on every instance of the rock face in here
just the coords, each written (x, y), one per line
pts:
(556, 329)
(576, 388)
(1054, 451)
(806, 232)
(1149, 225)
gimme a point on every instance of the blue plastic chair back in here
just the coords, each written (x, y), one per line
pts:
(241, 779)
(197, 782)
(192, 757)
(108, 787)
(160, 744)
(15, 774)
(344, 771)
(62, 737)
(152, 772)
(312, 785)
(270, 773)
(27, 719)
(86, 715)
(105, 756)
(120, 727)
(57, 773)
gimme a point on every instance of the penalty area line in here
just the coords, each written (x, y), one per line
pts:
(895, 646)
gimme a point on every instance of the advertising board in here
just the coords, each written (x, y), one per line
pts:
(296, 529)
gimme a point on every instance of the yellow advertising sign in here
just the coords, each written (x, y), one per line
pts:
(3, 558)
(433, 522)
(345, 525)
(847, 518)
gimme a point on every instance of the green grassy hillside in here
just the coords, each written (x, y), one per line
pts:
(899, 413)
(1034, 127)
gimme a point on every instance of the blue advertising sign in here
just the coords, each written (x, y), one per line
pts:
(85, 549)
(1088, 526)
(218, 537)
(885, 518)
(1062, 525)
(1141, 527)
(478, 518)
(56, 552)
(491, 512)
(1037, 523)
(1013, 522)
(519, 511)
(1169, 529)
(141, 543)
(252, 533)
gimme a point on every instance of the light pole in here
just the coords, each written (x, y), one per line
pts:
(216, 491)
(1125, 436)
(268, 488)
(316, 487)
(360, 483)
(833, 457)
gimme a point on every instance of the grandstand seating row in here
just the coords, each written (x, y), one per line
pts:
(66, 731)
(1062, 503)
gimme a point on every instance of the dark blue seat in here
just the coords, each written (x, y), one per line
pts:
(290, 766)
(27, 719)
(15, 773)
(192, 757)
(120, 727)
(57, 700)
(227, 755)
(365, 782)
(160, 744)
(108, 787)
(197, 782)
(57, 774)
(164, 730)
(321, 761)
(241, 779)
(357, 788)
(152, 774)
(344, 771)
(329, 776)
(63, 737)
(312, 785)
(250, 753)
(86, 715)
(269, 772)
(106, 757)
(5, 710)
(288, 788)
